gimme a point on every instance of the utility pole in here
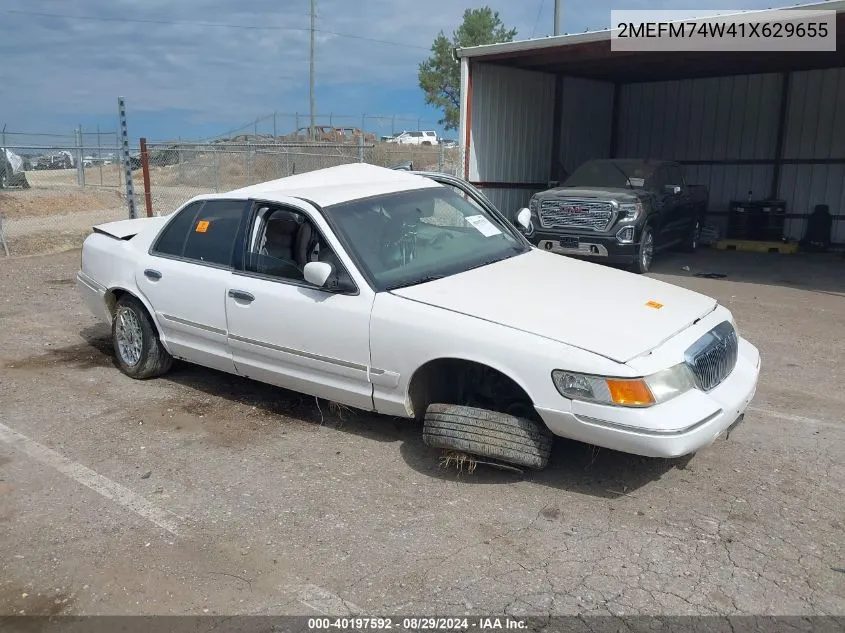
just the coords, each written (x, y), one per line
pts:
(311, 71)
(557, 17)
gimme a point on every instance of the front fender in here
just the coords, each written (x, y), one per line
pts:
(406, 334)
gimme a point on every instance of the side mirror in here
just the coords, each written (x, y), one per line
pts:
(524, 218)
(317, 273)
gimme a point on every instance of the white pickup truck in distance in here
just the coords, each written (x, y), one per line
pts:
(410, 295)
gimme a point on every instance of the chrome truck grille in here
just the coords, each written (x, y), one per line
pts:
(573, 213)
(712, 358)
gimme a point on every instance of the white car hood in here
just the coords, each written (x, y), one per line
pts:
(590, 306)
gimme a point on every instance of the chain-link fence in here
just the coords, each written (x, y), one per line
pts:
(179, 171)
(51, 195)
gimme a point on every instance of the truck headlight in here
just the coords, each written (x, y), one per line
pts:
(630, 211)
(624, 392)
(625, 235)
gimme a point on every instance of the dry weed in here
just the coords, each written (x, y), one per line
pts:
(459, 459)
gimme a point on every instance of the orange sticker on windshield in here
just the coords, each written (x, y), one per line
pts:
(654, 304)
(202, 226)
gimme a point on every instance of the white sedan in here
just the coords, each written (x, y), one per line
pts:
(410, 295)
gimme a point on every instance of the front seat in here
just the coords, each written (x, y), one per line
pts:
(280, 236)
(306, 249)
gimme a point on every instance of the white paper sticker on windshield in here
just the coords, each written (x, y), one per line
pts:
(483, 225)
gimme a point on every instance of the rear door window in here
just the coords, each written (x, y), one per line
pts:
(211, 238)
(204, 232)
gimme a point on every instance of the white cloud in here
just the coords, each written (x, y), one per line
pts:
(55, 66)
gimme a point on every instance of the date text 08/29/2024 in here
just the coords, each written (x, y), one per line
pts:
(416, 623)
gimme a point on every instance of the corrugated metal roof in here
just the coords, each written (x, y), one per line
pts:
(555, 41)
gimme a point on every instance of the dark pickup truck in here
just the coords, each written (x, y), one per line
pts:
(619, 211)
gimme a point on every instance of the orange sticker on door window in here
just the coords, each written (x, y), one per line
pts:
(654, 304)
(202, 226)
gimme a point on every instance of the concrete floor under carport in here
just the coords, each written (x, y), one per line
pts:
(815, 273)
(768, 123)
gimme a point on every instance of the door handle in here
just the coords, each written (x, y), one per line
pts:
(152, 274)
(240, 295)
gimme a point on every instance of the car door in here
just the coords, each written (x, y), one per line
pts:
(681, 209)
(287, 332)
(687, 210)
(185, 277)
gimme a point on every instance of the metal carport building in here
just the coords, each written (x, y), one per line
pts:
(765, 124)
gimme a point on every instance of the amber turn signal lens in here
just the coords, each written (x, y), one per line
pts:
(630, 392)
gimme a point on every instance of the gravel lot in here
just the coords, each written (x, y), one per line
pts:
(203, 493)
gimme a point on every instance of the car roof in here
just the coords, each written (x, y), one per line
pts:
(332, 185)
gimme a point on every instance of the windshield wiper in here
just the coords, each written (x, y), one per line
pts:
(625, 175)
(495, 260)
(416, 281)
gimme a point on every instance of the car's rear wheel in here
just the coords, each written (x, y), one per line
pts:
(137, 347)
(488, 434)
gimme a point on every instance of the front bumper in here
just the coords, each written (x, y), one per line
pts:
(602, 247)
(675, 428)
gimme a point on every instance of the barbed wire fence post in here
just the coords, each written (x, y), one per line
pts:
(3, 236)
(127, 163)
(80, 162)
(145, 170)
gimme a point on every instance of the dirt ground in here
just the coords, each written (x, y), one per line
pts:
(203, 493)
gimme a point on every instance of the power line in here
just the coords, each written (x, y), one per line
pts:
(253, 27)
(537, 19)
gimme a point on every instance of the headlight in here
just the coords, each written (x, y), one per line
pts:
(624, 392)
(625, 235)
(630, 211)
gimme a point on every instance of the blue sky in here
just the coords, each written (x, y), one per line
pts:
(194, 79)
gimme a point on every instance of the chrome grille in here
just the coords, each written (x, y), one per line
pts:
(574, 213)
(712, 358)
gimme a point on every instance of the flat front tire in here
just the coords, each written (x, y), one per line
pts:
(138, 350)
(499, 436)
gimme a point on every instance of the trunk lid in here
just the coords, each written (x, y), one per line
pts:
(127, 229)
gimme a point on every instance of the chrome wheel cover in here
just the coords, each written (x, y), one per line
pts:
(647, 251)
(129, 336)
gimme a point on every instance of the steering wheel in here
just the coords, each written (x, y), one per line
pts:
(398, 243)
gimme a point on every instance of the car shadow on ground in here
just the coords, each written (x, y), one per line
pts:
(573, 466)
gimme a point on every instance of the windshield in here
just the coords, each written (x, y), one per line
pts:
(611, 173)
(410, 237)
